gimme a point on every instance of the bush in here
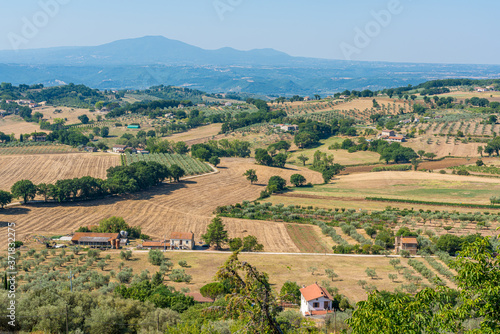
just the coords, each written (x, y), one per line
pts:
(156, 257)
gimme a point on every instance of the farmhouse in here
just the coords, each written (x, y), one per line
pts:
(142, 151)
(97, 240)
(388, 133)
(182, 240)
(406, 243)
(396, 139)
(119, 148)
(89, 149)
(288, 127)
(314, 300)
(39, 138)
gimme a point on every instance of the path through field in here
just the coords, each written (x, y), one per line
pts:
(187, 206)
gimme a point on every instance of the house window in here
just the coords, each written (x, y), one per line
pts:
(315, 305)
(180, 242)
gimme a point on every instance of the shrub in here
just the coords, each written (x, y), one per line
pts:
(156, 257)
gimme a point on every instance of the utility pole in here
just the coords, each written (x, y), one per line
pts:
(71, 280)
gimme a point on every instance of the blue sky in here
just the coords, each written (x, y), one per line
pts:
(444, 31)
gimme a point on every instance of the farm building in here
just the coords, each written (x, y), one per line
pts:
(97, 240)
(134, 126)
(388, 133)
(178, 240)
(315, 300)
(90, 149)
(41, 138)
(396, 139)
(156, 244)
(406, 243)
(142, 151)
(119, 148)
(182, 240)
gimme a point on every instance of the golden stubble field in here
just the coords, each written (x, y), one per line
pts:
(48, 168)
(187, 206)
(16, 125)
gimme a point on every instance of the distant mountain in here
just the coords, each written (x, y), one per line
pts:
(143, 62)
(149, 50)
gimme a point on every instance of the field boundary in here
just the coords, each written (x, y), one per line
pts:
(462, 205)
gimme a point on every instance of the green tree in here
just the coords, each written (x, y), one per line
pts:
(5, 198)
(84, 119)
(126, 255)
(302, 158)
(370, 272)
(330, 171)
(297, 180)
(216, 234)
(25, 189)
(331, 274)
(214, 160)
(421, 154)
(290, 292)
(112, 225)
(251, 175)
(213, 290)
(252, 299)
(176, 172)
(43, 189)
(276, 184)
(181, 147)
(430, 156)
(156, 257)
(104, 131)
(480, 150)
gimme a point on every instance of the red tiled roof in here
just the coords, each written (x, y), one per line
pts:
(110, 236)
(409, 240)
(182, 235)
(397, 138)
(314, 291)
(155, 244)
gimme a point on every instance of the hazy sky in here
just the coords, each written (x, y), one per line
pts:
(443, 31)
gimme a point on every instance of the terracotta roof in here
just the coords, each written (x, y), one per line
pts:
(155, 244)
(77, 236)
(409, 240)
(314, 291)
(182, 235)
(397, 137)
(199, 297)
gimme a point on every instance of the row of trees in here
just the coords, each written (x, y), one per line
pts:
(122, 179)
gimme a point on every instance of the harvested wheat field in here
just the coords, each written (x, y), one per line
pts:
(197, 135)
(48, 168)
(17, 126)
(441, 148)
(187, 206)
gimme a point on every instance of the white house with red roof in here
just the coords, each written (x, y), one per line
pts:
(315, 300)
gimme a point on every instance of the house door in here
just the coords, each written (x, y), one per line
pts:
(326, 306)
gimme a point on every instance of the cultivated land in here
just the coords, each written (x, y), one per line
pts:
(16, 125)
(340, 156)
(198, 135)
(48, 168)
(186, 206)
(69, 114)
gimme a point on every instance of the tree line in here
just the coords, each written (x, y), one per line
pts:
(120, 180)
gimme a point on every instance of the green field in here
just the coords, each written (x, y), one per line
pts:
(191, 166)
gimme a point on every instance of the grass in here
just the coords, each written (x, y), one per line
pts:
(307, 239)
(340, 156)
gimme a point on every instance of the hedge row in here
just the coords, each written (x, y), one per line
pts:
(396, 168)
(462, 205)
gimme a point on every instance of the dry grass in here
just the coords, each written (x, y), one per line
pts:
(308, 238)
(70, 114)
(195, 135)
(17, 126)
(187, 206)
(49, 168)
(439, 147)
